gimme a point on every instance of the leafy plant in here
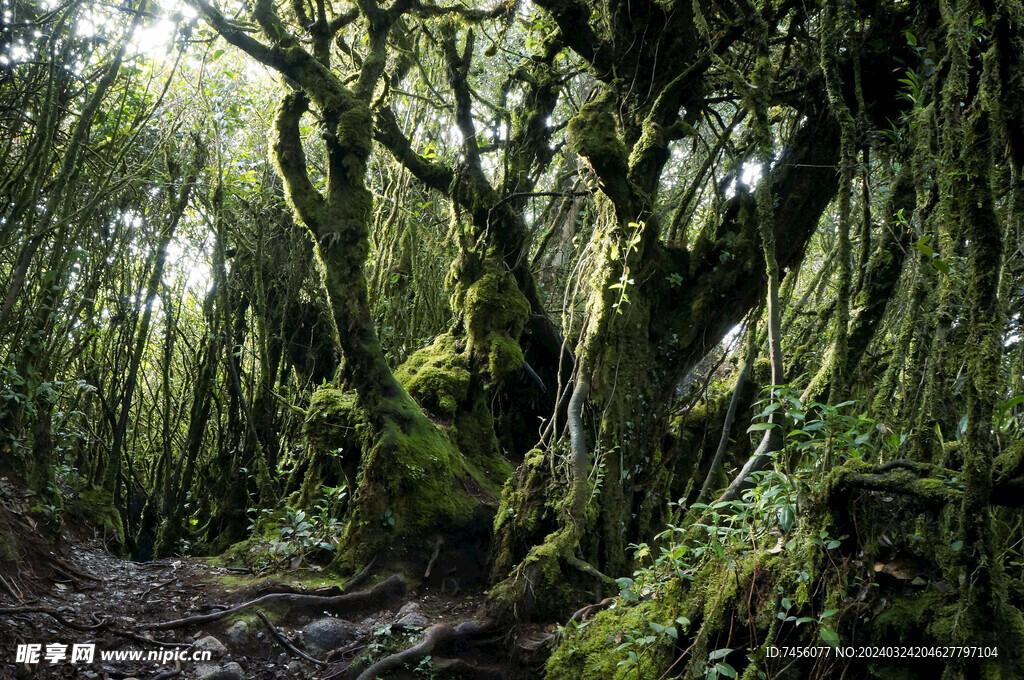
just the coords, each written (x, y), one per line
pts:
(623, 254)
(300, 535)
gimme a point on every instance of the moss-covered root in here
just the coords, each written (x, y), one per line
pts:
(412, 484)
(534, 561)
(547, 583)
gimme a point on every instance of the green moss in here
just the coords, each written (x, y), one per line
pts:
(335, 433)
(909, 616)
(593, 650)
(495, 313)
(473, 433)
(522, 512)
(437, 377)
(412, 484)
(96, 507)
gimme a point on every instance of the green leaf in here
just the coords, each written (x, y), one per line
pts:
(726, 670)
(957, 546)
(719, 654)
(757, 427)
(923, 247)
(829, 636)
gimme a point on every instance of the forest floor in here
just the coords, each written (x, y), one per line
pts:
(78, 593)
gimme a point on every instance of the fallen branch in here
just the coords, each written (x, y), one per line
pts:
(378, 597)
(285, 643)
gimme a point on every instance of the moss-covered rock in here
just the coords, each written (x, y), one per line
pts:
(335, 434)
(495, 313)
(437, 376)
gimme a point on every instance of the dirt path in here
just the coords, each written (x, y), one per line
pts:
(95, 598)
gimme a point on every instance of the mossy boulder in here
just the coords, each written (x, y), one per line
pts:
(437, 376)
(495, 313)
(335, 432)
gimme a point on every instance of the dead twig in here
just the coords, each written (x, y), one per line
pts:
(157, 586)
(342, 651)
(285, 643)
(433, 558)
(9, 588)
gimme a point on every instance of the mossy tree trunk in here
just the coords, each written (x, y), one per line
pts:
(411, 480)
(651, 298)
(635, 314)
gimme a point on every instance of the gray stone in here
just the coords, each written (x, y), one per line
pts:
(413, 619)
(238, 634)
(212, 645)
(325, 635)
(229, 671)
(410, 607)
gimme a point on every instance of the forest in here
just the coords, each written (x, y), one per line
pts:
(643, 339)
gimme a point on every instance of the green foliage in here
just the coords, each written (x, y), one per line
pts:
(292, 537)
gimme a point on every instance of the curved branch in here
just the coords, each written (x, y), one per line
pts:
(435, 175)
(290, 158)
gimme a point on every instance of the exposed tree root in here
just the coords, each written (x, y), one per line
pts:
(379, 596)
(582, 613)
(53, 613)
(174, 672)
(588, 569)
(438, 634)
